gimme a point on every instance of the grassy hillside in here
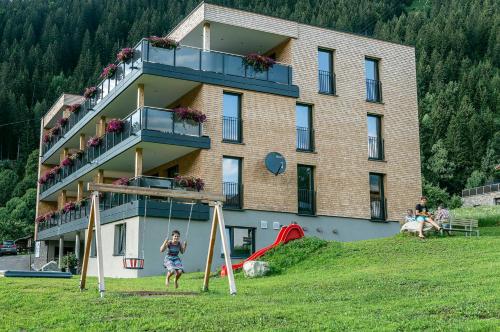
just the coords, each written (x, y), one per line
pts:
(399, 283)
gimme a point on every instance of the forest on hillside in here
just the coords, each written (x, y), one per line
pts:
(50, 47)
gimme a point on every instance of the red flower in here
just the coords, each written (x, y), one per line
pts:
(189, 182)
(62, 121)
(74, 108)
(108, 71)
(47, 136)
(94, 141)
(70, 206)
(40, 218)
(114, 126)
(121, 182)
(259, 62)
(90, 92)
(163, 42)
(125, 54)
(67, 161)
(186, 113)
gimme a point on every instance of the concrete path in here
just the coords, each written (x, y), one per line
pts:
(19, 262)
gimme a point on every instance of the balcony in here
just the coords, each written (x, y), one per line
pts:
(306, 202)
(144, 125)
(378, 208)
(116, 207)
(305, 139)
(234, 195)
(326, 82)
(373, 91)
(375, 148)
(185, 67)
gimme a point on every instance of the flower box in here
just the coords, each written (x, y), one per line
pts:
(90, 92)
(163, 42)
(259, 63)
(114, 126)
(121, 182)
(189, 182)
(67, 161)
(109, 71)
(94, 141)
(125, 54)
(189, 114)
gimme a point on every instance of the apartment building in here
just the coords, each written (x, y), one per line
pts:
(340, 109)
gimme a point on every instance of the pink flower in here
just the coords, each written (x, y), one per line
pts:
(189, 182)
(47, 136)
(108, 71)
(94, 141)
(90, 92)
(70, 206)
(67, 161)
(40, 218)
(186, 113)
(259, 62)
(125, 54)
(114, 126)
(163, 42)
(121, 182)
(74, 108)
(62, 121)
(43, 179)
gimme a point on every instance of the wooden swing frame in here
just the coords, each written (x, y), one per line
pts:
(213, 200)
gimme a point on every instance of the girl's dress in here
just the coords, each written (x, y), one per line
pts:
(172, 261)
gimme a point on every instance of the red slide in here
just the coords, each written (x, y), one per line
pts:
(286, 234)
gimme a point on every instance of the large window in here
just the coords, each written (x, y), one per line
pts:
(306, 194)
(326, 77)
(120, 239)
(373, 85)
(375, 141)
(241, 241)
(377, 200)
(231, 120)
(304, 127)
(232, 186)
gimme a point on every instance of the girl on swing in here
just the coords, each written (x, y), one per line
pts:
(172, 262)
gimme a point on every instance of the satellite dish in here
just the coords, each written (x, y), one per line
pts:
(275, 163)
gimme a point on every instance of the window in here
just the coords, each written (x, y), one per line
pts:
(241, 241)
(377, 201)
(231, 186)
(304, 127)
(306, 194)
(173, 171)
(231, 120)
(326, 77)
(120, 239)
(375, 141)
(373, 85)
(93, 246)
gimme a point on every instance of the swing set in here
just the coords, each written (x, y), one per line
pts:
(137, 263)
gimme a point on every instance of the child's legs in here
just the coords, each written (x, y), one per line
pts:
(178, 274)
(433, 223)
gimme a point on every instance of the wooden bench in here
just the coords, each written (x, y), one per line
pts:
(468, 226)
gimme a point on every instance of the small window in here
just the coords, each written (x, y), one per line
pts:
(375, 140)
(377, 200)
(326, 77)
(231, 119)
(373, 85)
(93, 246)
(304, 128)
(120, 239)
(241, 241)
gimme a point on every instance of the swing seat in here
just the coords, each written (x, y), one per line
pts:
(133, 263)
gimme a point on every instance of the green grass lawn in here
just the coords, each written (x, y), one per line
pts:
(398, 283)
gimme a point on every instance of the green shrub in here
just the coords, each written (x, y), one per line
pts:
(292, 253)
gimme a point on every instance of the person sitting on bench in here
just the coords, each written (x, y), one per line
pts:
(423, 216)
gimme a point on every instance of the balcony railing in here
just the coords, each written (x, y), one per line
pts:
(231, 129)
(183, 56)
(145, 118)
(234, 195)
(108, 201)
(481, 190)
(375, 148)
(305, 139)
(326, 82)
(373, 90)
(378, 207)
(306, 201)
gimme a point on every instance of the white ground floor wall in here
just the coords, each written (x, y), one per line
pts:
(144, 238)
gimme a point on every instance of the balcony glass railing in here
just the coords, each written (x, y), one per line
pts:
(108, 201)
(183, 56)
(156, 119)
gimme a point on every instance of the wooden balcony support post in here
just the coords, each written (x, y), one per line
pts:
(79, 193)
(138, 161)
(102, 126)
(140, 95)
(206, 36)
(100, 176)
(61, 251)
(82, 142)
(62, 199)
